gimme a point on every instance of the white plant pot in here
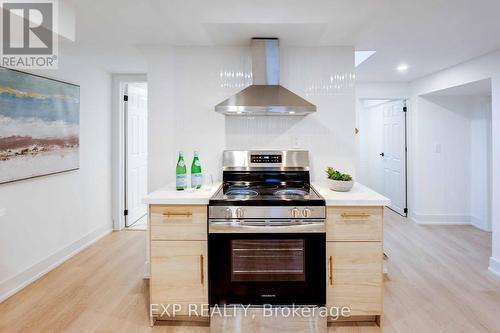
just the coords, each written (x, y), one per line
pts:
(340, 185)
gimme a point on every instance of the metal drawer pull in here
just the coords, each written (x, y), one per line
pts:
(202, 275)
(168, 214)
(330, 267)
(355, 215)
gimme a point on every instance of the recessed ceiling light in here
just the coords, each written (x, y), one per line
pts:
(402, 68)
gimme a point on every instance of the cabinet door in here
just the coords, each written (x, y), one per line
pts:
(179, 274)
(354, 223)
(354, 276)
(178, 222)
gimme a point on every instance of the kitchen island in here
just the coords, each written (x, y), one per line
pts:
(178, 256)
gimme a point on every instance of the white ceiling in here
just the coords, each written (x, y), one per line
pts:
(428, 35)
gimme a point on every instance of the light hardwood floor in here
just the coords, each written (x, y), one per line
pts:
(438, 282)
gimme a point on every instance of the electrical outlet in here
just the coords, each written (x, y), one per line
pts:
(295, 141)
(438, 148)
(3, 211)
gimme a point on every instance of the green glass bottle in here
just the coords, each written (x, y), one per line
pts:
(196, 177)
(180, 173)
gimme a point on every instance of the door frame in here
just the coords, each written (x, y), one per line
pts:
(119, 83)
(406, 104)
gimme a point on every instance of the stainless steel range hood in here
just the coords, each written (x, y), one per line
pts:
(265, 97)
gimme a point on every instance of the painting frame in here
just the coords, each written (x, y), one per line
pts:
(66, 83)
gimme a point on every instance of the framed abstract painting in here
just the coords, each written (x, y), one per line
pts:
(39, 126)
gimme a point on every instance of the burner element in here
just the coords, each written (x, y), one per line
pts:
(291, 193)
(241, 193)
(238, 187)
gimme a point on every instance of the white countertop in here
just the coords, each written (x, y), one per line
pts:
(360, 195)
(168, 195)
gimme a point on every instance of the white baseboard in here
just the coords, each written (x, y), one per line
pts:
(480, 224)
(441, 219)
(494, 266)
(13, 285)
(450, 220)
(147, 270)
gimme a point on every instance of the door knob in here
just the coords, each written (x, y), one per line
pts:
(382, 154)
(239, 213)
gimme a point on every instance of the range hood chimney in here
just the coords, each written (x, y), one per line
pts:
(265, 97)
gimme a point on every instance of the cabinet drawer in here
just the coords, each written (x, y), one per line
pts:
(354, 276)
(179, 274)
(354, 223)
(178, 222)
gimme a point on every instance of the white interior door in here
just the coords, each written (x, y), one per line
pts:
(136, 152)
(371, 168)
(394, 155)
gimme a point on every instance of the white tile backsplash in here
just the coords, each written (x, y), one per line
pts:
(185, 83)
(324, 76)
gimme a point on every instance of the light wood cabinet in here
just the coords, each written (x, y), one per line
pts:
(354, 224)
(354, 254)
(354, 276)
(178, 222)
(179, 274)
(178, 260)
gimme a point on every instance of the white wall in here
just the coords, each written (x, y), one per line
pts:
(324, 77)
(382, 90)
(480, 160)
(161, 121)
(453, 170)
(49, 218)
(185, 83)
(485, 67)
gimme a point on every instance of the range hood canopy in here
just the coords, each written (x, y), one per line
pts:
(265, 97)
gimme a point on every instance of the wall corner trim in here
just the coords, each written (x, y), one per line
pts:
(14, 284)
(494, 266)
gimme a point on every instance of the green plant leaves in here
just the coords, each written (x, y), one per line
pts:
(337, 175)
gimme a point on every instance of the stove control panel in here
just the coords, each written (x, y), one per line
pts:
(274, 158)
(267, 212)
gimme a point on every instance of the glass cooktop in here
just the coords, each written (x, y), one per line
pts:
(263, 195)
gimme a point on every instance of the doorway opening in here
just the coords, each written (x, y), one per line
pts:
(135, 154)
(455, 156)
(383, 149)
(130, 147)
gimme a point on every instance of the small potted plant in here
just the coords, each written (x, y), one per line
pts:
(338, 181)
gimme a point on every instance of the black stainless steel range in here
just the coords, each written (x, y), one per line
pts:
(266, 229)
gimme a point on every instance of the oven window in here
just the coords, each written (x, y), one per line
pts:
(267, 260)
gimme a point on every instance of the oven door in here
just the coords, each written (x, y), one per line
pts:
(267, 268)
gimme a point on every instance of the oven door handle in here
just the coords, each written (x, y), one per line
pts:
(316, 226)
